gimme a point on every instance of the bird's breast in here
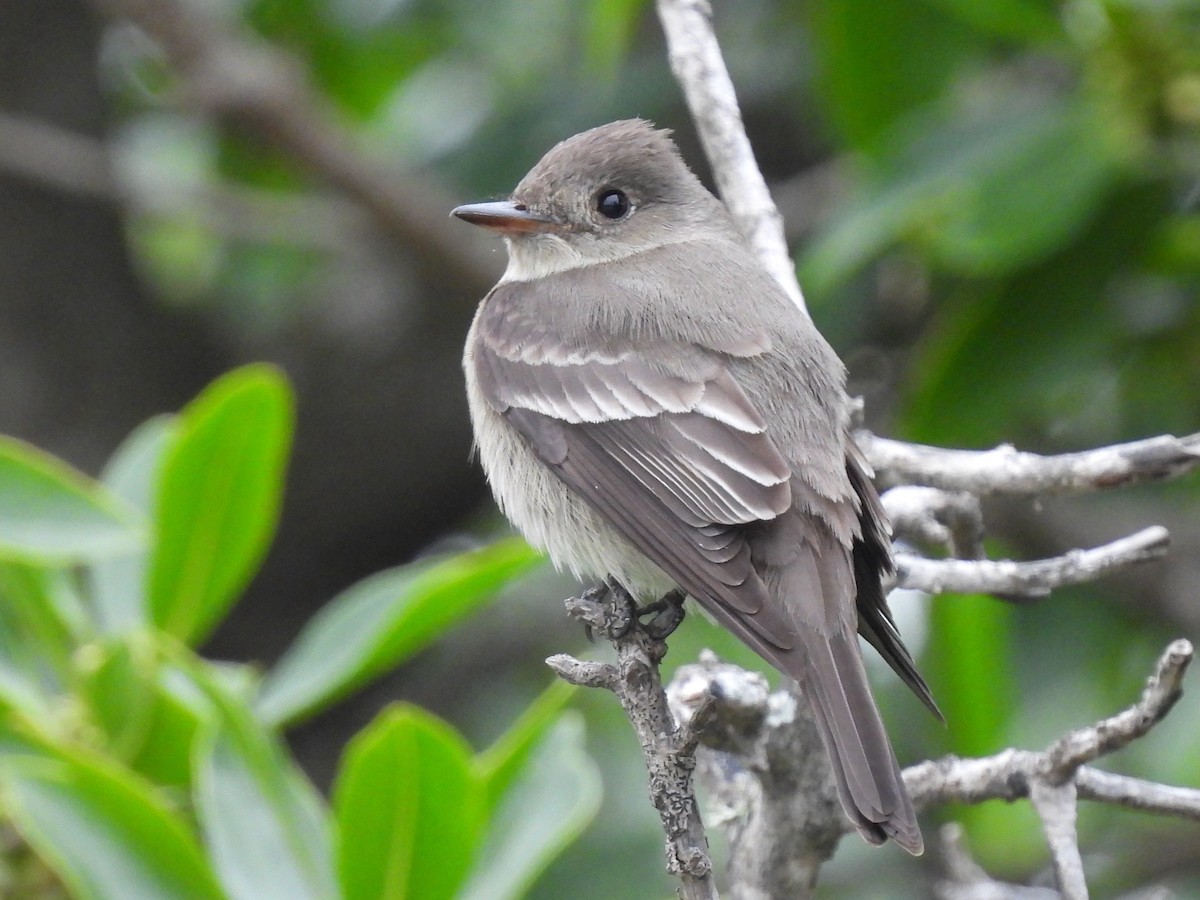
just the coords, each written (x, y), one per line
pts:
(549, 514)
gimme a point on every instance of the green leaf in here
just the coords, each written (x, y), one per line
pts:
(383, 619)
(359, 56)
(218, 499)
(116, 683)
(105, 832)
(44, 606)
(265, 826)
(42, 621)
(119, 585)
(50, 514)
(502, 763)
(409, 809)
(149, 711)
(1015, 359)
(1022, 186)
(555, 794)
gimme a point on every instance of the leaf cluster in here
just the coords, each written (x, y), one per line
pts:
(133, 767)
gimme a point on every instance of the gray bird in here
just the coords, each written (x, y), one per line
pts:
(649, 405)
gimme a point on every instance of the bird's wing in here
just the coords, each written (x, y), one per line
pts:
(661, 441)
(873, 557)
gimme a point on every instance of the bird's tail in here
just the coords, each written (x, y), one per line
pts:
(822, 654)
(865, 770)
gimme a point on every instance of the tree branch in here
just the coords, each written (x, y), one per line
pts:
(1137, 793)
(700, 70)
(47, 154)
(668, 749)
(1007, 774)
(1008, 578)
(76, 164)
(1006, 470)
(740, 765)
(766, 776)
(950, 519)
(1163, 689)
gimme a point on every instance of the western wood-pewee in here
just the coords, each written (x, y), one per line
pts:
(649, 404)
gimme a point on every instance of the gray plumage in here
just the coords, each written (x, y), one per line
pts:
(649, 404)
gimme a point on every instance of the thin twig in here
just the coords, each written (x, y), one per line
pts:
(1137, 793)
(950, 519)
(44, 153)
(1055, 804)
(1162, 690)
(746, 724)
(1011, 579)
(1007, 775)
(76, 164)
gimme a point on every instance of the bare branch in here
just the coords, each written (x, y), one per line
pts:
(1008, 774)
(1008, 578)
(47, 154)
(938, 518)
(766, 778)
(1055, 805)
(582, 673)
(1054, 779)
(1137, 793)
(754, 748)
(76, 164)
(700, 70)
(1006, 470)
(1162, 690)
(966, 880)
(668, 749)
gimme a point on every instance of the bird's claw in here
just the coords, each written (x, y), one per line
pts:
(609, 610)
(668, 613)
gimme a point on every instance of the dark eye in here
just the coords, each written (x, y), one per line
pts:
(613, 204)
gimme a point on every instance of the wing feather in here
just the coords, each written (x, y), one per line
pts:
(664, 444)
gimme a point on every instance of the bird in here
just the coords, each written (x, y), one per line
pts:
(649, 406)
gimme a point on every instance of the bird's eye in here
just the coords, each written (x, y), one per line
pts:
(613, 204)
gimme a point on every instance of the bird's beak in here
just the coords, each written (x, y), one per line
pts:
(504, 216)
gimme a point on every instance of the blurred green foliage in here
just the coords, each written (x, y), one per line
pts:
(135, 768)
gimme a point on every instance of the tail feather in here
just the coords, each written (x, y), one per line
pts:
(813, 586)
(869, 784)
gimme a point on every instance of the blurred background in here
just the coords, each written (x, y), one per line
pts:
(995, 207)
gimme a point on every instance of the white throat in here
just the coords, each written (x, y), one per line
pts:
(537, 256)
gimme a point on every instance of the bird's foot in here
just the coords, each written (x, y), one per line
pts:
(608, 609)
(668, 613)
